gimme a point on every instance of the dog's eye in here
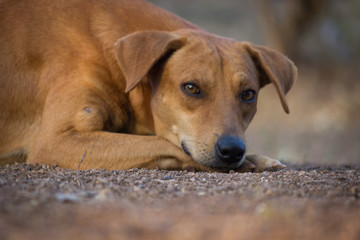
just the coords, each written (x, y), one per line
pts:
(191, 89)
(248, 96)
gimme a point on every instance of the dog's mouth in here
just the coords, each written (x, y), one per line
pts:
(185, 148)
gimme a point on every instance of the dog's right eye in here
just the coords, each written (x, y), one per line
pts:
(190, 89)
(248, 96)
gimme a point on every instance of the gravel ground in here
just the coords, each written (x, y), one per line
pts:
(301, 202)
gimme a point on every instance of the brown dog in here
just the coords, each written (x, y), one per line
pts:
(130, 85)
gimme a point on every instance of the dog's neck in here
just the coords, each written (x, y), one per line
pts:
(140, 100)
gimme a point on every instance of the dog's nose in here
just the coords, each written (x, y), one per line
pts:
(230, 149)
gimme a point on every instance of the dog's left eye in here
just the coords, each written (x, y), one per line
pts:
(248, 96)
(191, 89)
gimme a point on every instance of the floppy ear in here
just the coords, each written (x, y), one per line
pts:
(274, 68)
(136, 53)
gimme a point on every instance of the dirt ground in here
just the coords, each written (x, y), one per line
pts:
(301, 202)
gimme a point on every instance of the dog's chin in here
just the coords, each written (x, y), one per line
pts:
(218, 165)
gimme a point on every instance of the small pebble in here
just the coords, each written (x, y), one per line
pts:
(67, 197)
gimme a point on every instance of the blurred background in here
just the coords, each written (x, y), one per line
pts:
(322, 37)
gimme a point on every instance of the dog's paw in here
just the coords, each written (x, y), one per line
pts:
(169, 164)
(260, 163)
(247, 166)
(175, 164)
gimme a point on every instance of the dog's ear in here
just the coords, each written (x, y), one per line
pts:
(136, 53)
(273, 68)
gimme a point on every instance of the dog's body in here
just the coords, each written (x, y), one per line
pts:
(127, 83)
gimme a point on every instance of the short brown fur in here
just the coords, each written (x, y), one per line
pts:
(104, 77)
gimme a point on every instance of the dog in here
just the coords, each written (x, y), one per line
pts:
(122, 84)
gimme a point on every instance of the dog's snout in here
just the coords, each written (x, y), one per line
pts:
(230, 149)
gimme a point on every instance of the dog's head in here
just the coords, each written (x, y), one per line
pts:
(204, 88)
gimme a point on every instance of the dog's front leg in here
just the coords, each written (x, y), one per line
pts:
(260, 163)
(78, 119)
(108, 151)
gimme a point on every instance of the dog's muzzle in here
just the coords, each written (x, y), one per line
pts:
(230, 150)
